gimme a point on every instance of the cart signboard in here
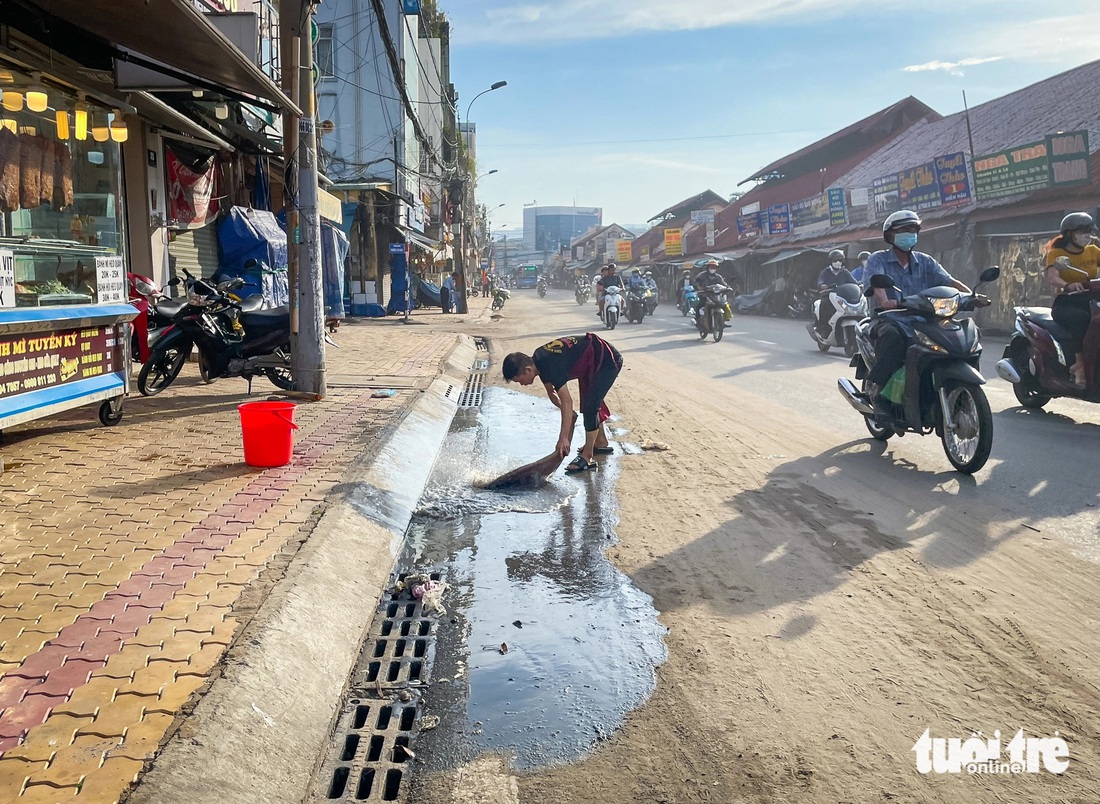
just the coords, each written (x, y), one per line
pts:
(110, 280)
(50, 359)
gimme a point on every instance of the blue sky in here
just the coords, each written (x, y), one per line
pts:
(633, 105)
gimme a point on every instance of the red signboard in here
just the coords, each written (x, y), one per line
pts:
(47, 359)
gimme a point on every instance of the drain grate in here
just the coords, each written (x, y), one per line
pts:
(472, 393)
(449, 391)
(482, 344)
(369, 757)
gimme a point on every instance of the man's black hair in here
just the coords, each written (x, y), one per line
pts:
(514, 365)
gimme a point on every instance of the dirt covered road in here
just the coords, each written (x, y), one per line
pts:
(825, 607)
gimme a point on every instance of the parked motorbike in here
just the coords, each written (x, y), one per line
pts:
(582, 291)
(500, 295)
(612, 306)
(1035, 359)
(801, 304)
(540, 288)
(232, 341)
(756, 303)
(636, 304)
(940, 384)
(155, 312)
(849, 308)
(715, 311)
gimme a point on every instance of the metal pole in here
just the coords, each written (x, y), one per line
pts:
(290, 14)
(969, 133)
(309, 372)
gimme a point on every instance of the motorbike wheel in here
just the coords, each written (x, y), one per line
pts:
(877, 431)
(612, 320)
(204, 371)
(717, 324)
(281, 377)
(822, 347)
(1028, 391)
(160, 369)
(850, 347)
(968, 447)
(702, 326)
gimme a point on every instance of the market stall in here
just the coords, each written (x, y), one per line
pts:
(63, 312)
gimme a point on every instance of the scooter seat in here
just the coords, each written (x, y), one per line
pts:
(170, 307)
(265, 318)
(253, 303)
(1041, 317)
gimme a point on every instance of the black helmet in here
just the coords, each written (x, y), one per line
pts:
(836, 254)
(1076, 222)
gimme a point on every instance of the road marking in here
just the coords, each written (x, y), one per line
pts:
(769, 343)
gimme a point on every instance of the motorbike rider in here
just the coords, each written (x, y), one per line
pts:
(911, 271)
(609, 278)
(1074, 247)
(708, 277)
(859, 272)
(636, 280)
(831, 275)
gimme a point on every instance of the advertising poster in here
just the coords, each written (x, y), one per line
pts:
(749, 225)
(810, 213)
(624, 252)
(919, 187)
(838, 210)
(779, 219)
(1069, 158)
(674, 242)
(953, 179)
(7, 278)
(1024, 169)
(885, 192)
(192, 187)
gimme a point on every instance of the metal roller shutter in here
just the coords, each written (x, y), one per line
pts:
(194, 249)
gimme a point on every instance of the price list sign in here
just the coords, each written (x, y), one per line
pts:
(48, 359)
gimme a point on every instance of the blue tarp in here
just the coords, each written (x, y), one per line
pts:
(334, 251)
(427, 293)
(247, 235)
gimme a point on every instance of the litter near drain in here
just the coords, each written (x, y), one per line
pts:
(384, 393)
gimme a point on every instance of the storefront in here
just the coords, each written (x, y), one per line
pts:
(63, 312)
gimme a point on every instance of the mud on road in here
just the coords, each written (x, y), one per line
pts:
(826, 604)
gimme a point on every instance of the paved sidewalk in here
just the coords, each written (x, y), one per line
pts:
(131, 556)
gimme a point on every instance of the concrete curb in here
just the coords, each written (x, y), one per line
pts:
(260, 731)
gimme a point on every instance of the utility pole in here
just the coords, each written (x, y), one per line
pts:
(300, 181)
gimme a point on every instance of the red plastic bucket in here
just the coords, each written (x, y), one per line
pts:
(266, 428)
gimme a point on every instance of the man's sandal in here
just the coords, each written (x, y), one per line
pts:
(600, 450)
(579, 464)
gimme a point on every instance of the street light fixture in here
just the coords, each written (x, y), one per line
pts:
(483, 175)
(497, 85)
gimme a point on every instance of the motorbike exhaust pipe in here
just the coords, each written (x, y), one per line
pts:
(1006, 370)
(854, 397)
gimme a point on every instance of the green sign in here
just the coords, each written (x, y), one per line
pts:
(1024, 169)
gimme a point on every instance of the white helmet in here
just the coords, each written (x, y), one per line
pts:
(903, 217)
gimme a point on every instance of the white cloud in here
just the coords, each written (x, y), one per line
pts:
(951, 67)
(599, 19)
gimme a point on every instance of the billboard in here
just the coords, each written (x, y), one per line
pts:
(779, 219)
(674, 242)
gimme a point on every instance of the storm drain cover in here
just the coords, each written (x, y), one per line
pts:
(481, 344)
(378, 722)
(472, 393)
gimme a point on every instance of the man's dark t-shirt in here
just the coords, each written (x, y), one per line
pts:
(556, 360)
(607, 281)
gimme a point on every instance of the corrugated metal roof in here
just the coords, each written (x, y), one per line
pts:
(700, 201)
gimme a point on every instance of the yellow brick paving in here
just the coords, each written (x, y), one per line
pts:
(124, 550)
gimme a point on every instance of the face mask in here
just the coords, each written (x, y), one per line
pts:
(712, 270)
(837, 266)
(1081, 239)
(905, 240)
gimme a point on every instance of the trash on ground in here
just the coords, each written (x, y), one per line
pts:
(503, 648)
(429, 722)
(384, 393)
(657, 446)
(428, 591)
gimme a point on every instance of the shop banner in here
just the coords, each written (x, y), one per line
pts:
(1069, 158)
(49, 359)
(810, 213)
(838, 210)
(954, 180)
(885, 192)
(110, 280)
(645, 254)
(919, 188)
(699, 216)
(624, 251)
(674, 242)
(779, 219)
(752, 225)
(7, 278)
(192, 190)
(1019, 170)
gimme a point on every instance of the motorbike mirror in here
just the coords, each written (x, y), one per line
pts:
(175, 281)
(990, 274)
(881, 281)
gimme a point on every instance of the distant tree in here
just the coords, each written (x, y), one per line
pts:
(736, 195)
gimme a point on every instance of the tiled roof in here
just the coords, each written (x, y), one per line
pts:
(704, 199)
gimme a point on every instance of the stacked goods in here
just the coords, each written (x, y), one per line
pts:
(34, 171)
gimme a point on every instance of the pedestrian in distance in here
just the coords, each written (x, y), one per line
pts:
(594, 364)
(447, 293)
(485, 284)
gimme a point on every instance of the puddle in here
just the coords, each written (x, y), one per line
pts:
(548, 645)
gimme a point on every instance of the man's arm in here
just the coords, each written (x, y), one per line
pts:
(564, 400)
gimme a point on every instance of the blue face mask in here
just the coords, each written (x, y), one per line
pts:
(905, 240)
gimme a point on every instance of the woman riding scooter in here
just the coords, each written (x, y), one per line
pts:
(1074, 247)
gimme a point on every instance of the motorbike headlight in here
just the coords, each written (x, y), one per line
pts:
(946, 308)
(928, 343)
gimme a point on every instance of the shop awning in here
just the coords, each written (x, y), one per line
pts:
(155, 110)
(722, 256)
(418, 239)
(785, 255)
(174, 33)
